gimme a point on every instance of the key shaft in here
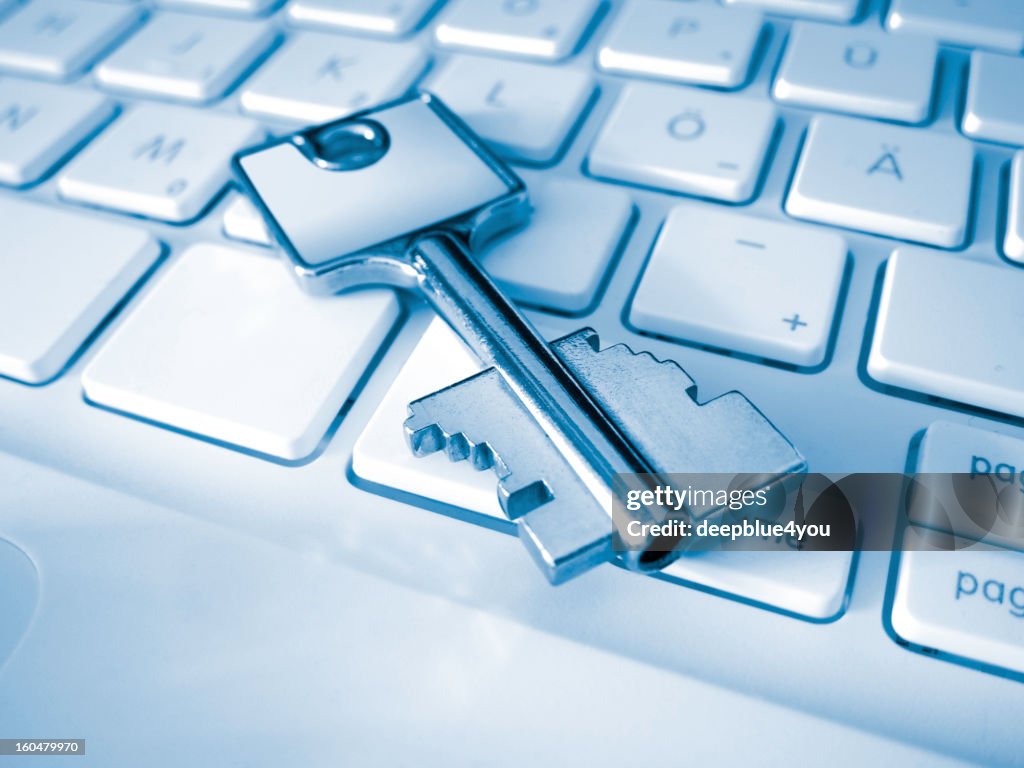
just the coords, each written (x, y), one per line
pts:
(461, 292)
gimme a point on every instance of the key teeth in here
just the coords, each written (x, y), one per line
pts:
(590, 338)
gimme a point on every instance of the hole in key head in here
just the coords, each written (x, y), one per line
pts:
(345, 146)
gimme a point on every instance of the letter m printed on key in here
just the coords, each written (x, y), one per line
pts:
(159, 148)
(15, 116)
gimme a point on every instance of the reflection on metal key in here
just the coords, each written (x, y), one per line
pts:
(400, 196)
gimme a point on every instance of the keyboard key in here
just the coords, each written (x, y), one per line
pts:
(560, 260)
(739, 283)
(814, 587)
(898, 182)
(986, 23)
(526, 110)
(159, 161)
(317, 77)
(388, 18)
(41, 123)
(57, 39)
(950, 327)
(191, 58)
(543, 29)
(245, 356)
(993, 461)
(685, 140)
(239, 7)
(994, 110)
(851, 69)
(827, 10)
(969, 603)
(689, 43)
(61, 274)
(243, 222)
(1013, 244)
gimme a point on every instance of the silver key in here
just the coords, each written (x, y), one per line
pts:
(478, 419)
(376, 199)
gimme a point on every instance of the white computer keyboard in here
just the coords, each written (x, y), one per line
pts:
(718, 182)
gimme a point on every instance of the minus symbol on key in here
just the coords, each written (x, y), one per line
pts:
(751, 244)
(729, 166)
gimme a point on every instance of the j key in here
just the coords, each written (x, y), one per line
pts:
(41, 123)
(899, 182)
(1013, 244)
(542, 29)
(859, 71)
(372, 211)
(685, 140)
(57, 39)
(744, 284)
(994, 24)
(61, 275)
(185, 57)
(690, 43)
(159, 161)
(978, 361)
(315, 77)
(387, 18)
(994, 110)
(526, 110)
(826, 10)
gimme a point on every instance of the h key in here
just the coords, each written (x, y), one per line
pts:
(398, 196)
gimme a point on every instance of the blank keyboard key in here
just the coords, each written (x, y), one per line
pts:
(316, 77)
(227, 346)
(191, 58)
(244, 223)
(543, 29)
(61, 274)
(850, 69)
(388, 18)
(685, 140)
(827, 10)
(814, 586)
(739, 283)
(892, 181)
(689, 43)
(995, 24)
(57, 39)
(969, 603)
(950, 327)
(1013, 244)
(159, 161)
(527, 111)
(994, 110)
(41, 123)
(560, 260)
